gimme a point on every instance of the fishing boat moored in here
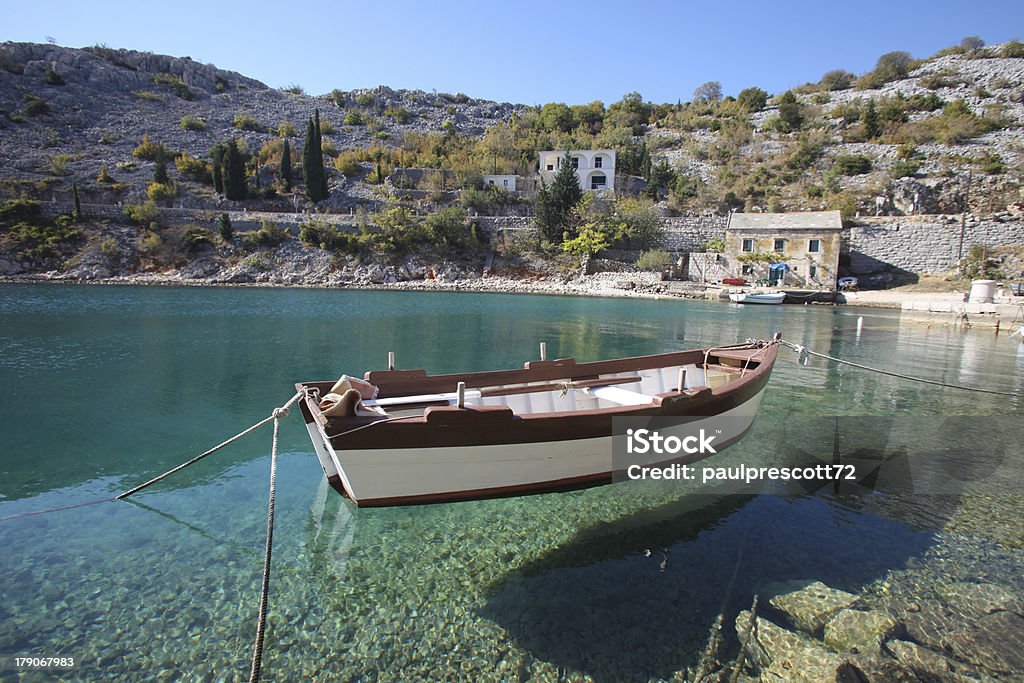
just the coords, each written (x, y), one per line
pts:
(757, 297)
(402, 437)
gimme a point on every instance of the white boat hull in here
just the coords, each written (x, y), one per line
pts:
(375, 477)
(751, 298)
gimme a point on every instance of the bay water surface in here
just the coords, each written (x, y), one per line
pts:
(102, 388)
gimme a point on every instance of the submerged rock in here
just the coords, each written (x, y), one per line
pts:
(859, 632)
(925, 662)
(808, 606)
(978, 599)
(782, 655)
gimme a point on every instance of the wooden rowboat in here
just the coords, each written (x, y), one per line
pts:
(547, 427)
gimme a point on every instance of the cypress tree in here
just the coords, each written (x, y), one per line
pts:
(233, 172)
(286, 166)
(160, 171)
(312, 164)
(77, 215)
(217, 167)
(320, 155)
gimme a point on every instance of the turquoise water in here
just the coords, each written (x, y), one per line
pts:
(104, 387)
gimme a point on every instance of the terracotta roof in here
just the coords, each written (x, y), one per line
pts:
(806, 220)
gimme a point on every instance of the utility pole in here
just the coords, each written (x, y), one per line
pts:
(963, 217)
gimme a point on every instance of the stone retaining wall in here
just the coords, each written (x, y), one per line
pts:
(889, 244)
(924, 244)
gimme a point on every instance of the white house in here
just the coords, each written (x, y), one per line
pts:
(502, 182)
(595, 168)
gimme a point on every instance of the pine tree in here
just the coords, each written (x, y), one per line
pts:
(233, 172)
(286, 166)
(313, 165)
(556, 205)
(77, 215)
(872, 125)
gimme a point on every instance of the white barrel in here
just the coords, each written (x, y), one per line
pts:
(982, 291)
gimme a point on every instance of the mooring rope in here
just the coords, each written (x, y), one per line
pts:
(804, 350)
(261, 625)
(129, 492)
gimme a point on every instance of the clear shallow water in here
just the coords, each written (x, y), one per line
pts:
(105, 387)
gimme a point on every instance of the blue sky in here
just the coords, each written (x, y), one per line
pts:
(525, 51)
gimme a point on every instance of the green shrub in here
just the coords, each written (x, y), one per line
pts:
(104, 176)
(151, 151)
(31, 237)
(365, 99)
(991, 163)
(142, 214)
(852, 164)
(352, 118)
(246, 122)
(891, 66)
(195, 237)
(837, 79)
(35, 106)
(348, 164)
(286, 129)
(449, 227)
(905, 169)
(1013, 49)
(294, 89)
(59, 164)
(20, 210)
(189, 122)
(269, 235)
(178, 86)
(191, 167)
(815, 191)
(322, 235)
(326, 127)
(159, 192)
(51, 77)
(752, 99)
(399, 114)
(147, 95)
(978, 263)
(654, 260)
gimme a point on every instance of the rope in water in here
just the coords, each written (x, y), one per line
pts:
(261, 625)
(132, 491)
(804, 350)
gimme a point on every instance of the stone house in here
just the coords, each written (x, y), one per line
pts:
(787, 249)
(595, 168)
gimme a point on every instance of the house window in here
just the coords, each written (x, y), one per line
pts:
(575, 162)
(550, 167)
(780, 245)
(747, 246)
(814, 246)
(812, 271)
(597, 162)
(505, 181)
(597, 181)
(747, 270)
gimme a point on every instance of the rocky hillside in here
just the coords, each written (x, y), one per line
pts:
(65, 113)
(933, 136)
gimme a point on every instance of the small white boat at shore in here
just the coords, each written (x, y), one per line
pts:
(757, 297)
